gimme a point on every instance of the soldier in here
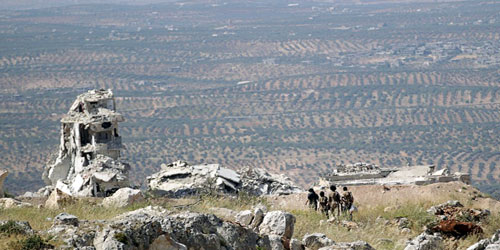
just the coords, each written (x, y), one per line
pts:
(312, 199)
(334, 198)
(347, 202)
(323, 203)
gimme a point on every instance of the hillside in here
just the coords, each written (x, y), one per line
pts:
(377, 221)
(295, 89)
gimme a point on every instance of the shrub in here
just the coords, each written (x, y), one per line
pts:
(10, 228)
(31, 243)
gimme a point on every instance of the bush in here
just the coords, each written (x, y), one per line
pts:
(10, 228)
(32, 242)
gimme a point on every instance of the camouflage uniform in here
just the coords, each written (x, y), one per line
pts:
(323, 205)
(334, 198)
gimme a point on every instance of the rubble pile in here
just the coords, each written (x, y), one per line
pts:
(454, 210)
(456, 220)
(257, 181)
(180, 179)
(87, 163)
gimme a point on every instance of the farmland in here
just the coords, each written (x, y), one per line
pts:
(292, 88)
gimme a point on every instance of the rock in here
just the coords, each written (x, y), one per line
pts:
(357, 245)
(139, 228)
(258, 182)
(165, 242)
(209, 232)
(493, 246)
(3, 176)
(66, 219)
(438, 208)
(276, 243)
(278, 223)
(124, 197)
(257, 218)
(402, 222)
(349, 224)
(425, 241)
(481, 245)
(17, 227)
(244, 217)
(296, 244)
(405, 231)
(316, 241)
(7, 203)
(58, 199)
(87, 163)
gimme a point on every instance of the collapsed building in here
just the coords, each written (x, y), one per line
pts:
(88, 159)
(369, 174)
(180, 179)
(3, 176)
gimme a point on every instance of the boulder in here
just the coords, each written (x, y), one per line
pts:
(66, 219)
(296, 244)
(276, 242)
(7, 203)
(278, 223)
(244, 217)
(123, 197)
(209, 232)
(316, 241)
(58, 199)
(425, 241)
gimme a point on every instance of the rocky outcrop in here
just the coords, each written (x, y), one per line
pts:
(425, 241)
(124, 197)
(87, 162)
(180, 179)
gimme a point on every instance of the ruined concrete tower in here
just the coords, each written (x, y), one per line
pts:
(88, 163)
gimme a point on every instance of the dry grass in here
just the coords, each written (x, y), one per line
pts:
(399, 201)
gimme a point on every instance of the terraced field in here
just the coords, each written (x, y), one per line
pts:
(294, 89)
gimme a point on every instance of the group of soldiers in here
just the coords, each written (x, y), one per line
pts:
(327, 204)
